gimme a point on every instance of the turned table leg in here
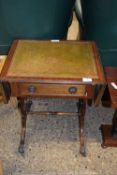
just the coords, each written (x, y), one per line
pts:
(23, 123)
(81, 111)
(24, 107)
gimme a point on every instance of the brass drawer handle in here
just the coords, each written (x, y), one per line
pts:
(72, 90)
(32, 89)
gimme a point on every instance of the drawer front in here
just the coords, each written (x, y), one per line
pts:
(35, 89)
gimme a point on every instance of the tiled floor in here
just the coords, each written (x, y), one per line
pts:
(52, 143)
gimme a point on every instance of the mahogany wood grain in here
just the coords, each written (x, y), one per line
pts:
(23, 89)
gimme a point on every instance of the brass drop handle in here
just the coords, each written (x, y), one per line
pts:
(32, 89)
(72, 90)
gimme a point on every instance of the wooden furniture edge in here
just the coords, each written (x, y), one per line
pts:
(99, 66)
(8, 59)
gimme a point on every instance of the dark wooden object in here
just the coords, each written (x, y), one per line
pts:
(64, 69)
(109, 132)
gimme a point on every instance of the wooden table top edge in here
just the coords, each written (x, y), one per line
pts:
(3, 75)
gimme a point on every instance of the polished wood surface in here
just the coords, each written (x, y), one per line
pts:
(109, 132)
(36, 89)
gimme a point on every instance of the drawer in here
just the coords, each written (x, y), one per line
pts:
(36, 89)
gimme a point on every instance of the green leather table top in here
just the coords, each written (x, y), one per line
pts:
(53, 59)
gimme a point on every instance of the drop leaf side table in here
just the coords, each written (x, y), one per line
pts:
(64, 69)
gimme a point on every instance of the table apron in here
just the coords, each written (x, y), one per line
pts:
(51, 90)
